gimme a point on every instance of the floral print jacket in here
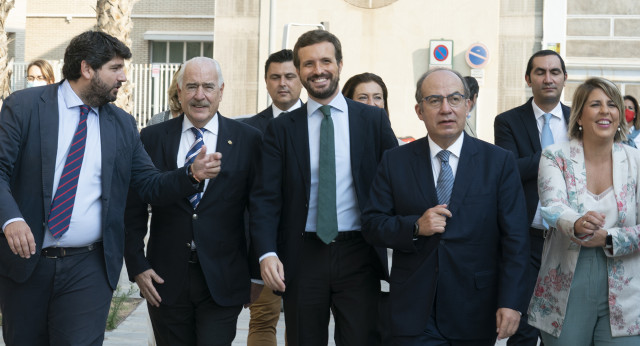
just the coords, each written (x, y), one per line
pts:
(562, 186)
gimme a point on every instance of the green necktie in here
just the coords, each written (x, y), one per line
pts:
(327, 227)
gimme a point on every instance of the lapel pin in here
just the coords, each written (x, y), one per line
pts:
(230, 142)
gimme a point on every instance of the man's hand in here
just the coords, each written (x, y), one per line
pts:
(20, 239)
(272, 272)
(145, 283)
(507, 322)
(434, 220)
(206, 166)
(256, 289)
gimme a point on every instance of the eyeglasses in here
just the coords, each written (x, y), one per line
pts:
(435, 101)
(35, 78)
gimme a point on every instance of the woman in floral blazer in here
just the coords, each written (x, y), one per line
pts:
(588, 287)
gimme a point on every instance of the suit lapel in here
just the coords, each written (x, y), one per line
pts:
(422, 170)
(49, 123)
(108, 135)
(301, 146)
(530, 124)
(172, 144)
(464, 173)
(225, 143)
(356, 140)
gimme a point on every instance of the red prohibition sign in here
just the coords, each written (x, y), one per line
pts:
(441, 53)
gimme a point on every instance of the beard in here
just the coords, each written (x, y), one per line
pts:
(99, 93)
(322, 94)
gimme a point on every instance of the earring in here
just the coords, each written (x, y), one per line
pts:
(579, 128)
(618, 128)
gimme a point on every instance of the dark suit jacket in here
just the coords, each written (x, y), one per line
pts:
(216, 225)
(279, 209)
(28, 146)
(260, 120)
(517, 131)
(477, 265)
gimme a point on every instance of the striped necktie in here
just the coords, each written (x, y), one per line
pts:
(445, 179)
(62, 205)
(191, 156)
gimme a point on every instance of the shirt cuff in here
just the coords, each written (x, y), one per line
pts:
(256, 281)
(10, 221)
(268, 254)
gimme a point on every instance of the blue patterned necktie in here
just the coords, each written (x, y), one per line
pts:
(445, 179)
(327, 226)
(191, 156)
(62, 204)
(546, 137)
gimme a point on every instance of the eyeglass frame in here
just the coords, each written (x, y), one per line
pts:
(35, 78)
(441, 100)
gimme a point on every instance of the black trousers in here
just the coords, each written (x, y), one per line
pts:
(338, 278)
(194, 319)
(64, 302)
(527, 335)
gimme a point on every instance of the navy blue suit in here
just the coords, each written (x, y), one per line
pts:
(260, 120)
(517, 131)
(477, 265)
(28, 147)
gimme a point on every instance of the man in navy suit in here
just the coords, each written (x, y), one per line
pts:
(196, 267)
(452, 208)
(318, 164)
(283, 86)
(519, 130)
(62, 209)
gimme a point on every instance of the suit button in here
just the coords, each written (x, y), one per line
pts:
(306, 205)
(44, 224)
(189, 245)
(194, 216)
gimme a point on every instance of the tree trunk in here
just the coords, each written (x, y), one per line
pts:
(5, 71)
(114, 18)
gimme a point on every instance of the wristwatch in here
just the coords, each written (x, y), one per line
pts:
(608, 242)
(416, 230)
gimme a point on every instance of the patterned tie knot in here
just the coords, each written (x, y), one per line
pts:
(547, 117)
(326, 110)
(197, 132)
(443, 155)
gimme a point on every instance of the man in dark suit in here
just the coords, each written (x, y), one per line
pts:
(283, 86)
(452, 208)
(318, 163)
(62, 211)
(195, 276)
(520, 130)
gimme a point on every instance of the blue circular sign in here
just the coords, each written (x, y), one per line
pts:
(477, 55)
(441, 53)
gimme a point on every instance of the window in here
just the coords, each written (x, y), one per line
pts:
(175, 52)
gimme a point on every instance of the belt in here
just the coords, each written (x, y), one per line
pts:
(59, 252)
(193, 257)
(342, 236)
(537, 232)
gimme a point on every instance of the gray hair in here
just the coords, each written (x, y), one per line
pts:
(200, 60)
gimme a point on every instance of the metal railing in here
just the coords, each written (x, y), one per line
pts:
(150, 85)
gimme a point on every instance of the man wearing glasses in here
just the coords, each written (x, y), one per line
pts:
(452, 208)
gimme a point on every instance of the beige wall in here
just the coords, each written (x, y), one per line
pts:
(393, 42)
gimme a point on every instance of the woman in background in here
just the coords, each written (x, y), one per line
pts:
(631, 115)
(367, 88)
(587, 291)
(39, 73)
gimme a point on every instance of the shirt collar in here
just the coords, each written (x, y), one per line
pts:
(277, 111)
(454, 148)
(556, 111)
(338, 102)
(71, 99)
(211, 126)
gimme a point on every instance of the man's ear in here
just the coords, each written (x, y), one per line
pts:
(86, 70)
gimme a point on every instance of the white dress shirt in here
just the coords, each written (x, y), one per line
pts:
(560, 135)
(454, 158)
(346, 198)
(86, 219)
